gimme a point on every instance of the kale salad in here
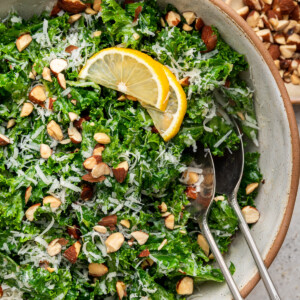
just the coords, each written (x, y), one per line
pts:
(68, 233)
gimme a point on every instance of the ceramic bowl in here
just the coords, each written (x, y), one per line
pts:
(278, 139)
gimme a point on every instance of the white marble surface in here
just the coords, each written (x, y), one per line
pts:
(285, 270)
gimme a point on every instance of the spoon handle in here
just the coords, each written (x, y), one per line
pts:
(253, 248)
(219, 258)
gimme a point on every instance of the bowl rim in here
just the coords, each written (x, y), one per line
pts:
(294, 135)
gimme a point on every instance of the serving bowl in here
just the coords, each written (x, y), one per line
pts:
(278, 138)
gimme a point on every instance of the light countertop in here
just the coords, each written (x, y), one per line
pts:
(285, 270)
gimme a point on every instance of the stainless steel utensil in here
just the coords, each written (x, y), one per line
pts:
(229, 171)
(200, 208)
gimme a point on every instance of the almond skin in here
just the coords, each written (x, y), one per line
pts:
(191, 192)
(199, 24)
(109, 221)
(71, 48)
(209, 38)
(87, 192)
(144, 253)
(90, 178)
(120, 172)
(74, 232)
(274, 51)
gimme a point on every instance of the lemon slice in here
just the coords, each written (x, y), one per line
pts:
(168, 122)
(131, 72)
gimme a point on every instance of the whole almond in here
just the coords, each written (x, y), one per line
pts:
(102, 138)
(114, 242)
(45, 151)
(55, 131)
(140, 236)
(26, 110)
(97, 270)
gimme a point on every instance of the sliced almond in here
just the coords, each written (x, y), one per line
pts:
(173, 18)
(54, 130)
(90, 11)
(54, 247)
(185, 286)
(62, 80)
(251, 214)
(74, 18)
(170, 222)
(4, 140)
(28, 194)
(164, 242)
(97, 270)
(114, 242)
(120, 172)
(47, 74)
(100, 229)
(26, 110)
(163, 207)
(23, 42)
(38, 95)
(121, 289)
(74, 135)
(125, 223)
(11, 123)
(31, 210)
(72, 252)
(100, 170)
(72, 6)
(72, 116)
(189, 16)
(53, 201)
(91, 162)
(201, 240)
(140, 236)
(101, 138)
(97, 5)
(190, 177)
(243, 12)
(45, 151)
(187, 27)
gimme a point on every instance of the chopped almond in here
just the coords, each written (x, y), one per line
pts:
(31, 210)
(26, 110)
(173, 18)
(265, 35)
(23, 42)
(251, 214)
(74, 135)
(97, 270)
(144, 253)
(54, 247)
(253, 18)
(185, 81)
(74, 18)
(47, 74)
(11, 123)
(45, 151)
(114, 242)
(219, 198)
(90, 178)
(140, 236)
(55, 131)
(185, 286)
(74, 232)
(91, 162)
(100, 170)
(170, 222)
(102, 138)
(191, 192)
(121, 289)
(163, 207)
(72, 252)
(199, 24)
(72, 116)
(109, 221)
(280, 38)
(190, 177)
(287, 51)
(97, 33)
(274, 51)
(189, 16)
(38, 95)
(28, 194)
(53, 201)
(98, 149)
(58, 65)
(4, 140)
(125, 223)
(120, 172)
(295, 79)
(100, 229)
(243, 12)
(90, 11)
(282, 24)
(97, 5)
(62, 80)
(72, 6)
(187, 27)
(201, 240)
(253, 4)
(209, 38)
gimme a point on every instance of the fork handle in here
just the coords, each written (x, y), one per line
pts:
(219, 258)
(253, 248)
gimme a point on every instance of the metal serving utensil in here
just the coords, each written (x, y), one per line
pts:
(233, 164)
(200, 208)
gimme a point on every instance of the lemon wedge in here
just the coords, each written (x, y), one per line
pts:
(131, 72)
(168, 122)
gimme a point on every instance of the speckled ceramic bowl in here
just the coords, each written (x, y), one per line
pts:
(278, 139)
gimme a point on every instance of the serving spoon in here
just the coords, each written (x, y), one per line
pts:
(229, 185)
(200, 208)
